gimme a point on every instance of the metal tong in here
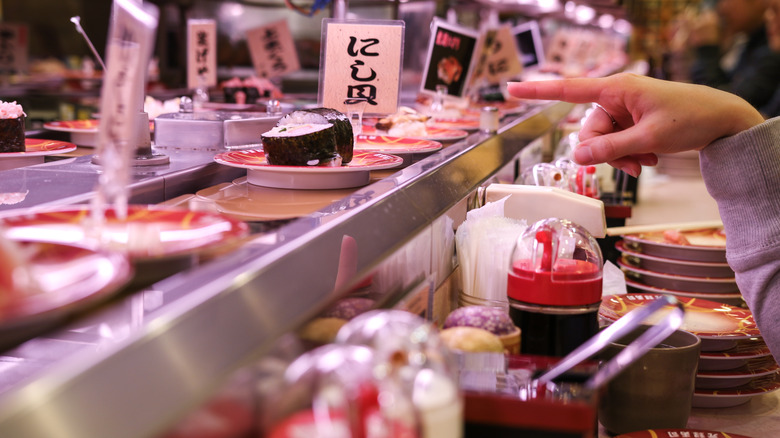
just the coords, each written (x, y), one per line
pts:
(620, 328)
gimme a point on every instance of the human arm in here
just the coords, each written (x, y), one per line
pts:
(653, 116)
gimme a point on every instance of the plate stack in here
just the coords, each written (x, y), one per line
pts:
(735, 364)
(682, 263)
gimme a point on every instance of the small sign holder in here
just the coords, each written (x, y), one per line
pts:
(361, 59)
(450, 59)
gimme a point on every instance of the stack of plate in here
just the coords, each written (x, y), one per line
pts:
(681, 263)
(735, 364)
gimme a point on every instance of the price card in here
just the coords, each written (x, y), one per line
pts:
(361, 59)
(201, 53)
(498, 59)
(451, 52)
(14, 43)
(273, 50)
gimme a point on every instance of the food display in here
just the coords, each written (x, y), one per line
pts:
(493, 319)
(472, 340)
(314, 137)
(406, 122)
(11, 127)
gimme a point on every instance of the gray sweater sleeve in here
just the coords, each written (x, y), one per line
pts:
(742, 173)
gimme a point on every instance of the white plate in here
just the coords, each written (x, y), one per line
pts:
(705, 245)
(724, 398)
(355, 174)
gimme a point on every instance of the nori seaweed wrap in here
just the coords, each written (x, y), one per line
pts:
(342, 126)
(12, 135)
(301, 145)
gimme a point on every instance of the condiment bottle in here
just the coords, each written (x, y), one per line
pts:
(554, 287)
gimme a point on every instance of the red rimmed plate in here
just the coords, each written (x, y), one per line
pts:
(741, 375)
(679, 433)
(737, 356)
(78, 126)
(704, 318)
(673, 266)
(682, 283)
(148, 232)
(730, 299)
(465, 123)
(68, 279)
(395, 145)
(432, 133)
(39, 147)
(704, 245)
(724, 398)
(356, 173)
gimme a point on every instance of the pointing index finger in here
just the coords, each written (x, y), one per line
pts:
(579, 90)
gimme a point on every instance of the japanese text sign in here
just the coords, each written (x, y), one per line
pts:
(450, 54)
(201, 53)
(13, 48)
(498, 56)
(273, 50)
(361, 59)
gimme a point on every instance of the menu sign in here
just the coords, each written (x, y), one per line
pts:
(13, 48)
(201, 53)
(361, 59)
(273, 50)
(450, 54)
(498, 60)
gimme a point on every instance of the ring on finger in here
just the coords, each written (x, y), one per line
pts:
(612, 119)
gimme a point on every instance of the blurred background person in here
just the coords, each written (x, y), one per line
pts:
(732, 52)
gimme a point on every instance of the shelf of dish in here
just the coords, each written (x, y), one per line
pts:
(136, 366)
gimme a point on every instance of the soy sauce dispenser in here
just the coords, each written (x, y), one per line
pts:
(554, 287)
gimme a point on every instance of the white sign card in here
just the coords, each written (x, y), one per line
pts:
(14, 43)
(201, 53)
(361, 59)
(273, 50)
(529, 44)
(497, 60)
(451, 52)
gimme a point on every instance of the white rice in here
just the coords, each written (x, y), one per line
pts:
(294, 130)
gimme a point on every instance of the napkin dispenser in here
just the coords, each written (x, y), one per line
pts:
(534, 203)
(212, 130)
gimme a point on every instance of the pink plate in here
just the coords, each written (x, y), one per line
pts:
(675, 266)
(704, 318)
(678, 433)
(741, 375)
(682, 283)
(432, 133)
(149, 232)
(395, 145)
(68, 278)
(467, 123)
(730, 299)
(706, 245)
(356, 173)
(723, 398)
(745, 349)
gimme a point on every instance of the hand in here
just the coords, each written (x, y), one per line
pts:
(652, 116)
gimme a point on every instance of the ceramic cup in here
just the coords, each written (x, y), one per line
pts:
(654, 392)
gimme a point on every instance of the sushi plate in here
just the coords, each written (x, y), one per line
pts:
(148, 232)
(251, 202)
(724, 398)
(682, 283)
(66, 279)
(464, 123)
(35, 151)
(710, 320)
(719, 379)
(735, 357)
(82, 132)
(674, 266)
(355, 174)
(730, 299)
(678, 433)
(703, 245)
(395, 145)
(432, 133)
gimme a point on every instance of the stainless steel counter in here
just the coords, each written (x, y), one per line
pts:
(135, 366)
